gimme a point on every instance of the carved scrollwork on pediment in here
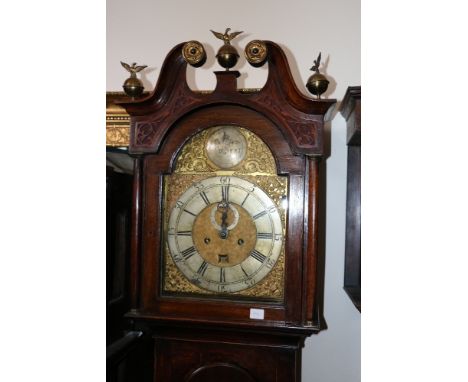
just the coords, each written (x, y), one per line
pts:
(302, 129)
(149, 131)
(144, 133)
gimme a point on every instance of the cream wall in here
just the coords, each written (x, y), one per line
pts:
(144, 31)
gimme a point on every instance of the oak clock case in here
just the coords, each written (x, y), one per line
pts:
(226, 276)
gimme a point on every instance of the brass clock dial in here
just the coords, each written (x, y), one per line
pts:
(225, 234)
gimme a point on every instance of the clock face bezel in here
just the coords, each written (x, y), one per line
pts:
(189, 252)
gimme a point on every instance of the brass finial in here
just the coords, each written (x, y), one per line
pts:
(316, 65)
(133, 86)
(227, 55)
(317, 83)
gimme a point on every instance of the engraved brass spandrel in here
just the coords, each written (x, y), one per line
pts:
(175, 281)
(276, 188)
(271, 286)
(177, 184)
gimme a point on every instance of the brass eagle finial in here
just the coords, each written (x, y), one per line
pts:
(133, 69)
(317, 83)
(226, 36)
(315, 68)
(133, 86)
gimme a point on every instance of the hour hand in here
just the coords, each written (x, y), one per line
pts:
(223, 233)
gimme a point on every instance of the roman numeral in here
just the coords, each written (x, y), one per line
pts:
(245, 199)
(205, 198)
(225, 193)
(184, 233)
(201, 271)
(191, 213)
(264, 235)
(188, 253)
(222, 275)
(258, 255)
(259, 215)
(245, 273)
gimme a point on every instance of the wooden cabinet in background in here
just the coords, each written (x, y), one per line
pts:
(119, 199)
(351, 111)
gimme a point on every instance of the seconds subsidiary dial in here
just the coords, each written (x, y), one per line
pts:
(225, 234)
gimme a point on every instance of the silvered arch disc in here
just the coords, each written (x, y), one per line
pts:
(226, 147)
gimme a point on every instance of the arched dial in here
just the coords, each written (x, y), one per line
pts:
(225, 234)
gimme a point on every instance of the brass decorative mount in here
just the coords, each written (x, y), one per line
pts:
(256, 53)
(194, 53)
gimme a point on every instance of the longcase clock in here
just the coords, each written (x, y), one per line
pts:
(225, 273)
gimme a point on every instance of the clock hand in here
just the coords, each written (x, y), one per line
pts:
(224, 231)
(224, 207)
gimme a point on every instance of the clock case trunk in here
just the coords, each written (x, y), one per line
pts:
(205, 335)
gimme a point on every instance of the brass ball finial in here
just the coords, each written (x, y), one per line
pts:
(133, 86)
(227, 55)
(317, 83)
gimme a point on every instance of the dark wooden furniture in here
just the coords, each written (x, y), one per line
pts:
(118, 205)
(127, 350)
(351, 111)
(210, 337)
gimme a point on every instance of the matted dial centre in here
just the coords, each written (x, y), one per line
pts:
(224, 251)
